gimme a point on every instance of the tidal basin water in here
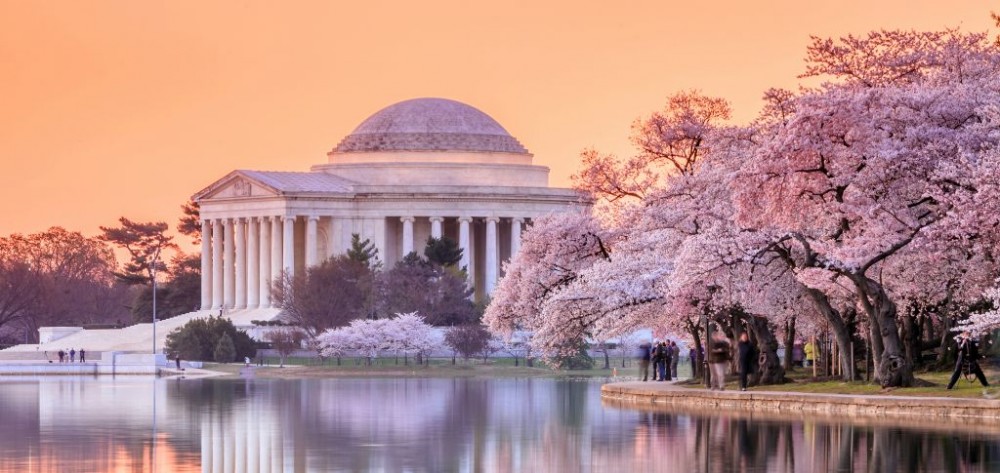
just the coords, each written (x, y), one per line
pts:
(436, 425)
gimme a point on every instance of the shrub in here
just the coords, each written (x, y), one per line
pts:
(199, 338)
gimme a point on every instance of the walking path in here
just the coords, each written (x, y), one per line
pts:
(922, 411)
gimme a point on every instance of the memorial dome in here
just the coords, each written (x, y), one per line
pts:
(430, 124)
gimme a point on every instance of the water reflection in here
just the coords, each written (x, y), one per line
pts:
(436, 425)
(733, 442)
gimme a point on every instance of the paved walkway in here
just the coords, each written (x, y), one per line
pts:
(657, 395)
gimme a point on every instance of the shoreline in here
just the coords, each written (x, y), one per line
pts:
(831, 407)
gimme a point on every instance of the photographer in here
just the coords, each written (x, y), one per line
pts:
(968, 360)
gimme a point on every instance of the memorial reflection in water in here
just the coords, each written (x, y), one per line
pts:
(434, 425)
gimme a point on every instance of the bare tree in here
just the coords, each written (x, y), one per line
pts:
(327, 296)
(285, 341)
(468, 340)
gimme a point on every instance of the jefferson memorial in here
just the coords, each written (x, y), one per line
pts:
(420, 168)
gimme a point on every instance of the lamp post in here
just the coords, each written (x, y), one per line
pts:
(153, 264)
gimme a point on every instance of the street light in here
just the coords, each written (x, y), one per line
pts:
(156, 257)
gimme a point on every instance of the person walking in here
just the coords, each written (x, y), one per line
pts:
(83, 356)
(718, 358)
(675, 357)
(968, 360)
(810, 350)
(746, 353)
(62, 355)
(644, 355)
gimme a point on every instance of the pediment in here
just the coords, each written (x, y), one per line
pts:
(236, 186)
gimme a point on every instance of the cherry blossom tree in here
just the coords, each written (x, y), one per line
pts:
(407, 333)
(410, 333)
(872, 162)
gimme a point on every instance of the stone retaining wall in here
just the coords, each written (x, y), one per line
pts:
(917, 410)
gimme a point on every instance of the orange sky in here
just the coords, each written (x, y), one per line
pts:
(111, 108)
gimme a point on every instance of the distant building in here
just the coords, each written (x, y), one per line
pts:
(415, 169)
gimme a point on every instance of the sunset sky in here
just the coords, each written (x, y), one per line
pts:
(112, 108)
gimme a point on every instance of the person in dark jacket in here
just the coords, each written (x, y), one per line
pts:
(968, 360)
(643, 356)
(746, 353)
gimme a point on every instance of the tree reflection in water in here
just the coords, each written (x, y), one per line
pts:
(441, 425)
(730, 443)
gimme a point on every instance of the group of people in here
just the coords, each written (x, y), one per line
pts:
(663, 355)
(69, 355)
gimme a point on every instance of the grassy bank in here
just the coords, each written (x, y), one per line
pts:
(929, 384)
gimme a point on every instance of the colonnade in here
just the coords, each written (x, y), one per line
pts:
(241, 256)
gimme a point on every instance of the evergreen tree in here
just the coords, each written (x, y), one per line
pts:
(144, 242)
(190, 222)
(225, 351)
(364, 252)
(443, 251)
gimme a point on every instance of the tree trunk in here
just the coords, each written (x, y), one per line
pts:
(789, 343)
(837, 324)
(911, 339)
(768, 364)
(894, 368)
(693, 329)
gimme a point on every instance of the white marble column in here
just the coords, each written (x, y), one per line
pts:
(264, 259)
(492, 254)
(515, 235)
(407, 235)
(253, 263)
(312, 241)
(229, 270)
(463, 243)
(277, 250)
(241, 264)
(288, 242)
(333, 238)
(206, 265)
(436, 227)
(346, 228)
(217, 284)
